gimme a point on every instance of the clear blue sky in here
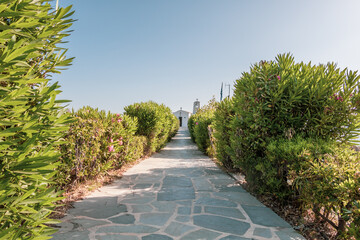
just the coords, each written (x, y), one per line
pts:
(174, 51)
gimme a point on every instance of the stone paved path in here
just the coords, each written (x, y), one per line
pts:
(178, 193)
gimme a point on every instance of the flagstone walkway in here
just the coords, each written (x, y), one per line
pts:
(178, 193)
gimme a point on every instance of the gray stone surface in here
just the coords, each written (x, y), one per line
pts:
(197, 209)
(202, 184)
(184, 202)
(142, 186)
(127, 229)
(221, 224)
(87, 223)
(115, 237)
(156, 237)
(215, 202)
(138, 200)
(232, 237)
(227, 212)
(262, 232)
(175, 181)
(184, 210)
(81, 235)
(141, 208)
(158, 219)
(178, 193)
(243, 198)
(222, 182)
(98, 207)
(201, 234)
(164, 206)
(123, 219)
(182, 218)
(178, 229)
(264, 216)
(234, 188)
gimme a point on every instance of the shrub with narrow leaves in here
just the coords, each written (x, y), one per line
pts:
(31, 119)
(323, 174)
(199, 124)
(330, 185)
(287, 158)
(191, 124)
(96, 142)
(284, 99)
(156, 123)
(223, 117)
(288, 119)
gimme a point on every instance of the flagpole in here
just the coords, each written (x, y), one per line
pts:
(221, 92)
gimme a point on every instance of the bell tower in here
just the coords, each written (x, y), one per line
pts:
(196, 106)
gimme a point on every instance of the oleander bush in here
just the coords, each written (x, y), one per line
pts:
(330, 186)
(156, 123)
(323, 174)
(291, 128)
(287, 158)
(191, 124)
(96, 142)
(31, 119)
(199, 124)
(223, 116)
(282, 99)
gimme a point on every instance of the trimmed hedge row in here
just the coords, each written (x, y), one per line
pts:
(198, 126)
(98, 141)
(156, 123)
(222, 124)
(289, 128)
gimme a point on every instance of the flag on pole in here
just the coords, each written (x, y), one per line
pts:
(221, 92)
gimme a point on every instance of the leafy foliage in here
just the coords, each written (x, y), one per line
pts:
(156, 123)
(31, 119)
(198, 125)
(330, 185)
(284, 99)
(223, 117)
(96, 142)
(288, 128)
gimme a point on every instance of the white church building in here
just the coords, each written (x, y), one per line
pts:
(184, 116)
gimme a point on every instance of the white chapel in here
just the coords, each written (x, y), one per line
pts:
(183, 117)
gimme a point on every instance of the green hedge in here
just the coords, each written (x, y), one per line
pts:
(282, 99)
(324, 175)
(289, 128)
(199, 124)
(156, 123)
(96, 142)
(223, 117)
(31, 120)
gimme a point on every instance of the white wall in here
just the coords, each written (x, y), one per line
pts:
(184, 115)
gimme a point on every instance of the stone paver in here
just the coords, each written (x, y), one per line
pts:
(262, 232)
(178, 194)
(222, 224)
